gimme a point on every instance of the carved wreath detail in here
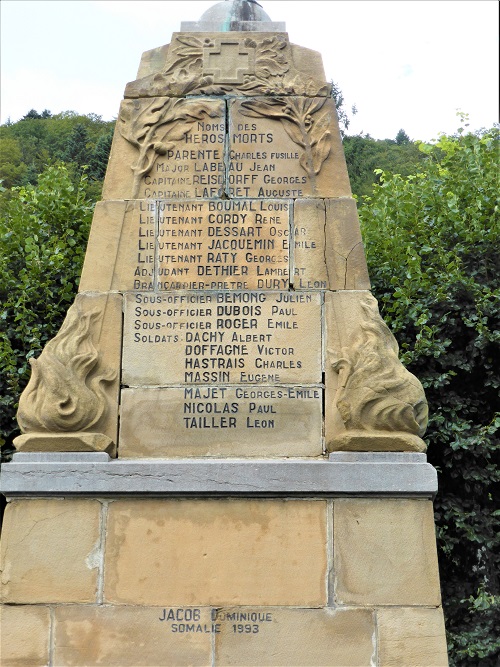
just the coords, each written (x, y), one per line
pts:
(270, 61)
(65, 392)
(376, 392)
(184, 74)
(309, 131)
(154, 130)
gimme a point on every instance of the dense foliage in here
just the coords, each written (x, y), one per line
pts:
(28, 146)
(365, 155)
(433, 241)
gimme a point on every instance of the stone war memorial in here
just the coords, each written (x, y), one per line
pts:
(221, 460)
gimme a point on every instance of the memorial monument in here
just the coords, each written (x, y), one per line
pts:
(222, 459)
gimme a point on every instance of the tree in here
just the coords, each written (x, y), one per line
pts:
(432, 244)
(32, 115)
(402, 138)
(100, 156)
(43, 139)
(364, 154)
(43, 236)
(344, 118)
(77, 148)
(11, 166)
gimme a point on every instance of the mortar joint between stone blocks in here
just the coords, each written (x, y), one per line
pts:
(376, 640)
(325, 241)
(51, 639)
(103, 521)
(226, 147)
(156, 253)
(212, 638)
(291, 252)
(330, 564)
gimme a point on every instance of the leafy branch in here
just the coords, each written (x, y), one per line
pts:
(190, 54)
(154, 130)
(297, 115)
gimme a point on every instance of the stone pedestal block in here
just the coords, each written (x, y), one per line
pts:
(219, 552)
(25, 636)
(49, 551)
(385, 553)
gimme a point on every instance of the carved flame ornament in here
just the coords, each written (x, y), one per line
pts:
(65, 392)
(376, 392)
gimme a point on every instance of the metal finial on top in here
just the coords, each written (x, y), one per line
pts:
(234, 15)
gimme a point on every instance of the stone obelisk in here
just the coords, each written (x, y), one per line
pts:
(222, 459)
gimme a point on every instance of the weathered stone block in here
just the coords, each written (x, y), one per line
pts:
(296, 637)
(167, 245)
(373, 441)
(153, 61)
(310, 64)
(25, 636)
(385, 552)
(47, 551)
(411, 637)
(308, 244)
(221, 552)
(221, 421)
(130, 637)
(345, 256)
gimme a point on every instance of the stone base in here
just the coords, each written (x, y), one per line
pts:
(252, 582)
(65, 442)
(362, 441)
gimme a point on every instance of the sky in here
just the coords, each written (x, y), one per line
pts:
(407, 64)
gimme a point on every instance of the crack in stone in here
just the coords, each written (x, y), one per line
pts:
(52, 518)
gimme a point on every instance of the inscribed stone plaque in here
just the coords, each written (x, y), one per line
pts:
(221, 421)
(285, 148)
(222, 338)
(167, 148)
(223, 245)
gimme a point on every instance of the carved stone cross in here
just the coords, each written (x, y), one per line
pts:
(228, 61)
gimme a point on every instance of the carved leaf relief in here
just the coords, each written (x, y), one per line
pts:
(153, 130)
(65, 392)
(376, 392)
(190, 54)
(302, 124)
(270, 61)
